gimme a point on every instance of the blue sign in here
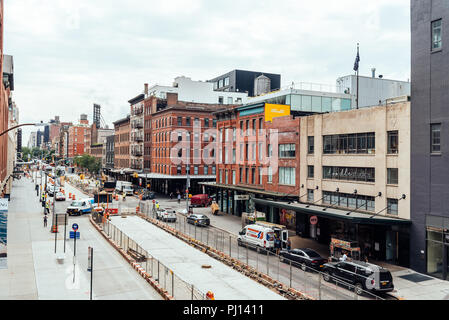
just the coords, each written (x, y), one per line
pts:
(72, 235)
(75, 227)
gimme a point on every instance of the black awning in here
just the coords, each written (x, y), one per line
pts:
(338, 214)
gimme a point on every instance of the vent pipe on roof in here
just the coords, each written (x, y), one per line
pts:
(373, 70)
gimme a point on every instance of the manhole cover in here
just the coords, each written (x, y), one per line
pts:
(416, 277)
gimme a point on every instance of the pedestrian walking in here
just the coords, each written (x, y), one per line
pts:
(171, 195)
(47, 207)
(45, 221)
(277, 244)
(179, 198)
(36, 187)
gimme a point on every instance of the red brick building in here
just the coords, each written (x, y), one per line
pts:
(256, 158)
(77, 137)
(177, 136)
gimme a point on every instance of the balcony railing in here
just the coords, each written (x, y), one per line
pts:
(137, 111)
(137, 125)
(137, 153)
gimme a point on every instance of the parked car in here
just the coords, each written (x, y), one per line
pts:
(202, 200)
(303, 258)
(60, 196)
(167, 215)
(362, 275)
(80, 207)
(148, 195)
(51, 189)
(199, 220)
(256, 236)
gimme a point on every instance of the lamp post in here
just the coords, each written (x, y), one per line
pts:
(23, 125)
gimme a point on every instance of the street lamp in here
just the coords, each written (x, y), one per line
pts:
(41, 124)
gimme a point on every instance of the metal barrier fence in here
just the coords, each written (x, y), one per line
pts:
(299, 277)
(167, 279)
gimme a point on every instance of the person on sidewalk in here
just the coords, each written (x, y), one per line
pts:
(36, 187)
(47, 207)
(179, 198)
(45, 221)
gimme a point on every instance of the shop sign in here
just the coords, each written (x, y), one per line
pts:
(241, 197)
(313, 220)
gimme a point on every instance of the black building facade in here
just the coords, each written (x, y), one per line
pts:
(429, 243)
(243, 81)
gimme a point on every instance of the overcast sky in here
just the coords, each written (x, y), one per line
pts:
(69, 54)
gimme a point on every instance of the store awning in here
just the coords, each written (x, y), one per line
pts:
(170, 177)
(332, 213)
(248, 190)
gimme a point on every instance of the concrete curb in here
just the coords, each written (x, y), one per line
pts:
(237, 265)
(164, 294)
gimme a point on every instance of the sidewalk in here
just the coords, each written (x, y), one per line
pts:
(35, 274)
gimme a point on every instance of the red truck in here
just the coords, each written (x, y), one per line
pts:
(202, 200)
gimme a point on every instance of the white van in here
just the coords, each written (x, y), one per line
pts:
(124, 186)
(256, 236)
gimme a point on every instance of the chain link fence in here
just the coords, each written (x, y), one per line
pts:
(300, 277)
(167, 279)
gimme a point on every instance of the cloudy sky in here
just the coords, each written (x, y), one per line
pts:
(69, 54)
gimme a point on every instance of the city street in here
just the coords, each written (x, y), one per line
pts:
(34, 272)
(222, 235)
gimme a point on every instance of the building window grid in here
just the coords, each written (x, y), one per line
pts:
(358, 143)
(435, 138)
(349, 174)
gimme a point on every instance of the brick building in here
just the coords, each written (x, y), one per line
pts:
(256, 156)
(122, 144)
(180, 135)
(76, 136)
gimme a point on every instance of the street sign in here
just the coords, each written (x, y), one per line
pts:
(313, 220)
(72, 235)
(75, 227)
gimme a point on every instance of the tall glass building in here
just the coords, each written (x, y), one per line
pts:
(307, 101)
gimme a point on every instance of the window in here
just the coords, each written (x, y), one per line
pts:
(221, 176)
(260, 176)
(195, 170)
(269, 151)
(233, 177)
(393, 142)
(311, 145)
(214, 123)
(206, 123)
(241, 128)
(179, 136)
(270, 175)
(214, 170)
(260, 126)
(310, 195)
(240, 175)
(435, 138)
(220, 100)
(362, 143)
(287, 151)
(253, 176)
(254, 127)
(392, 206)
(287, 176)
(226, 81)
(436, 34)
(196, 122)
(310, 171)
(188, 121)
(246, 175)
(206, 170)
(230, 100)
(220, 83)
(392, 176)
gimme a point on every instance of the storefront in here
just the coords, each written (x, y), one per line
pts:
(437, 230)
(380, 238)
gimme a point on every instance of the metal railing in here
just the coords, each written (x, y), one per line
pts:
(298, 277)
(163, 275)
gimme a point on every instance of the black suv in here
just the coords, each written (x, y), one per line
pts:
(362, 275)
